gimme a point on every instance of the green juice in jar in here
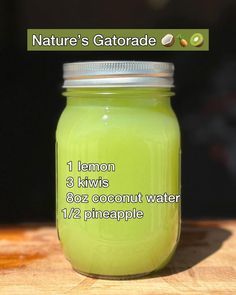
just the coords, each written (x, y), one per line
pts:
(118, 116)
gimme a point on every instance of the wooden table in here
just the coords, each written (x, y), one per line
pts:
(32, 263)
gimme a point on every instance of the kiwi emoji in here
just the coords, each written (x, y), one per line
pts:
(196, 40)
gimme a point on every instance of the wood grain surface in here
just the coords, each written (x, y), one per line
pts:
(32, 262)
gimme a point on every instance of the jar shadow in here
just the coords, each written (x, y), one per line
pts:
(198, 241)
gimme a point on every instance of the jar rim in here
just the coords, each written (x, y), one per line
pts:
(118, 73)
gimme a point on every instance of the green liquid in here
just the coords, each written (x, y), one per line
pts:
(136, 130)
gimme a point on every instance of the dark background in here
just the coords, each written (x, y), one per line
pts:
(31, 100)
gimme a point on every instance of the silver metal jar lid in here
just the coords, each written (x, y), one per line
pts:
(118, 74)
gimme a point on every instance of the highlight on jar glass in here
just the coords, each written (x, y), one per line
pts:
(118, 168)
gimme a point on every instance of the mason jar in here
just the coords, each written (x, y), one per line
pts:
(118, 168)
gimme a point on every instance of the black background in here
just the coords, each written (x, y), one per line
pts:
(31, 100)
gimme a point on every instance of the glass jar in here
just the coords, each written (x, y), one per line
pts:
(118, 146)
